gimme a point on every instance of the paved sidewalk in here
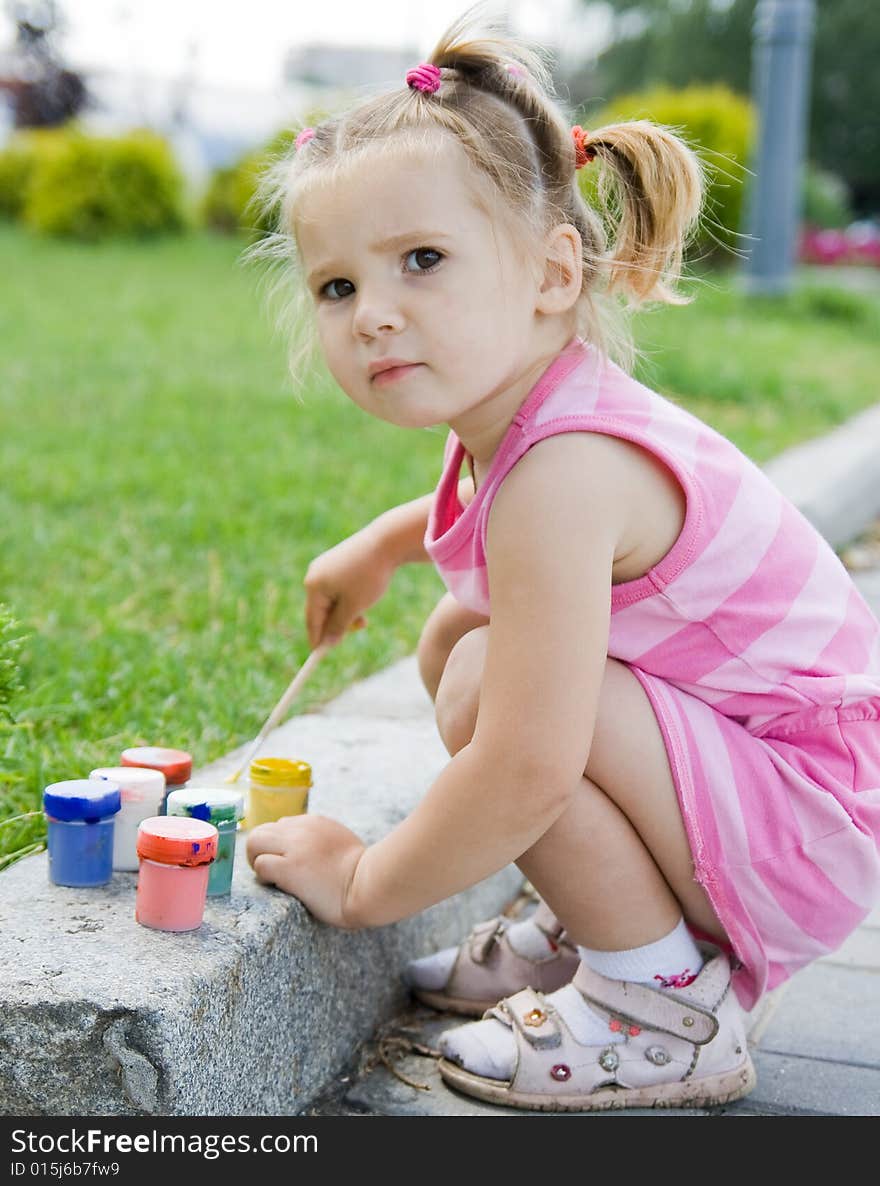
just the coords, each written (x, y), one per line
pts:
(815, 1041)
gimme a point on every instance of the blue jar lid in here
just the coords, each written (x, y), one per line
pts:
(81, 799)
(215, 806)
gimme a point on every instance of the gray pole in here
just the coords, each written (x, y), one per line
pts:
(781, 50)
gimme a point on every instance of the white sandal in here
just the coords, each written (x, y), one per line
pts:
(681, 1049)
(488, 968)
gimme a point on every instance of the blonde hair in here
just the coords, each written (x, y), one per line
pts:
(518, 141)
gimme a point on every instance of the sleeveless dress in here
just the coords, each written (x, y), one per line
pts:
(758, 654)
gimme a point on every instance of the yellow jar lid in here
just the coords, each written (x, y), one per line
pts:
(280, 772)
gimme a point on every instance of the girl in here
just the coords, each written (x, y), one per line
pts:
(668, 715)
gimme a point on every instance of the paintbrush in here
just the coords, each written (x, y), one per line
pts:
(278, 712)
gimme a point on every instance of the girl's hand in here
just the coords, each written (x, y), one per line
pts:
(343, 582)
(311, 857)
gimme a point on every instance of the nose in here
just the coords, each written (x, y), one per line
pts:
(376, 313)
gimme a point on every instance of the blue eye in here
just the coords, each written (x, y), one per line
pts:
(422, 251)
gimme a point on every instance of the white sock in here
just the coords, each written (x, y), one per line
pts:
(489, 1048)
(671, 962)
(431, 972)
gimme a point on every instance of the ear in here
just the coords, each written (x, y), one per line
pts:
(563, 270)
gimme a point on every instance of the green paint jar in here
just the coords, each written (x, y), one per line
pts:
(223, 809)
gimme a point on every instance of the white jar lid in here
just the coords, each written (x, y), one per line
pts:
(137, 784)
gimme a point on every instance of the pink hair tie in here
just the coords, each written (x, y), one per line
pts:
(425, 77)
(514, 68)
(304, 137)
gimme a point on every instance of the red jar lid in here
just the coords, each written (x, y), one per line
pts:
(175, 764)
(177, 840)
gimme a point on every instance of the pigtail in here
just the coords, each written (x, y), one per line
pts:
(650, 193)
(504, 89)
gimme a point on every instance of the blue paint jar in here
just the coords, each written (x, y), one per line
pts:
(79, 817)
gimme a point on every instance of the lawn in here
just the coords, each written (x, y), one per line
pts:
(163, 491)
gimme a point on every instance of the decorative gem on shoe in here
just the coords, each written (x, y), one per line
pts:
(616, 1025)
(534, 1017)
(658, 1056)
(609, 1060)
(560, 1072)
(680, 980)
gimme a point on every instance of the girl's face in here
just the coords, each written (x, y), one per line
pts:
(405, 265)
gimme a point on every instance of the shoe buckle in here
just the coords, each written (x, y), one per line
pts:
(485, 936)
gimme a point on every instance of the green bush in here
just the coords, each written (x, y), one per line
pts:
(718, 124)
(18, 161)
(22, 829)
(16, 166)
(11, 641)
(227, 203)
(825, 199)
(91, 187)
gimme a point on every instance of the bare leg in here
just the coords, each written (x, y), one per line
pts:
(447, 623)
(616, 867)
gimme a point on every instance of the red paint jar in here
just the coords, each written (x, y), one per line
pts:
(175, 855)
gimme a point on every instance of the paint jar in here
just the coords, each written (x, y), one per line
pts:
(175, 855)
(142, 793)
(223, 809)
(278, 787)
(175, 764)
(79, 820)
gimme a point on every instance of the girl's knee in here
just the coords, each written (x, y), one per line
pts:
(458, 695)
(431, 660)
(448, 623)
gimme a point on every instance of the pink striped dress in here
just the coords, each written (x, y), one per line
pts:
(757, 652)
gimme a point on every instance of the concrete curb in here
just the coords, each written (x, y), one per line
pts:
(257, 1011)
(253, 1013)
(835, 480)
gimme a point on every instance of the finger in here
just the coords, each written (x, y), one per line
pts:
(263, 839)
(268, 868)
(336, 623)
(318, 606)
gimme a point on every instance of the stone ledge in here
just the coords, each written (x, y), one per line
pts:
(834, 480)
(254, 1013)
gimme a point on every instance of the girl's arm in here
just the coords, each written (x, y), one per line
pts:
(553, 529)
(401, 530)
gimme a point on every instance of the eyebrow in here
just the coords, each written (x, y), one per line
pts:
(384, 245)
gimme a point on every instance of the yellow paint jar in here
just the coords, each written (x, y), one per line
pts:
(278, 787)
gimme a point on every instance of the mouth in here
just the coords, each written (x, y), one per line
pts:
(392, 374)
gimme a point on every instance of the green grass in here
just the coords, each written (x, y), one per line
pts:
(163, 491)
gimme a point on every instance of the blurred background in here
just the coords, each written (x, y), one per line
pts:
(163, 490)
(216, 87)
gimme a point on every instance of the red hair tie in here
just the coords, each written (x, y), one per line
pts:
(582, 150)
